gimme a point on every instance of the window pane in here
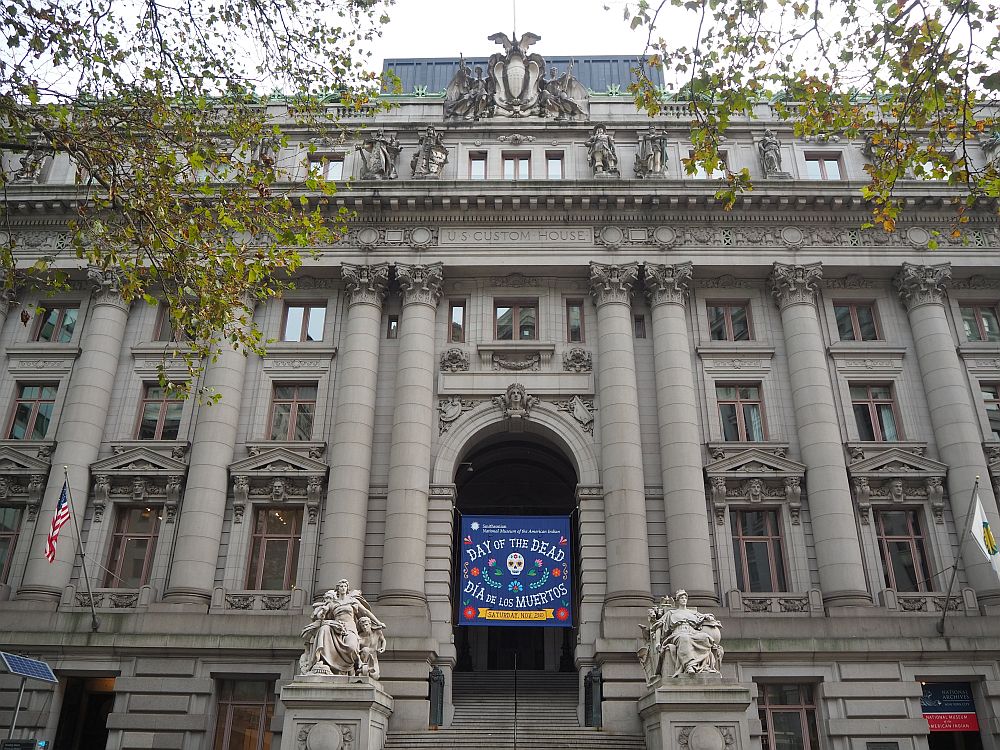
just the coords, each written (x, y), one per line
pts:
(522, 168)
(150, 416)
(508, 169)
(554, 168)
(279, 421)
(903, 566)
(754, 422)
(505, 323)
(293, 323)
(866, 321)
(19, 426)
(133, 561)
(813, 169)
(758, 566)
(970, 324)
(9, 519)
(832, 169)
(880, 391)
(314, 329)
(42, 419)
(457, 323)
(863, 417)
(275, 558)
(639, 324)
(730, 428)
(171, 421)
(335, 169)
(284, 392)
(48, 326)
(717, 322)
(68, 324)
(477, 169)
(779, 565)
(894, 522)
(574, 314)
(526, 327)
(304, 422)
(725, 392)
(244, 733)
(787, 730)
(887, 422)
(307, 392)
(741, 325)
(751, 392)
(991, 326)
(844, 326)
(754, 522)
(141, 520)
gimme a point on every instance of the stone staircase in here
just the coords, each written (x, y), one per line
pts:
(484, 717)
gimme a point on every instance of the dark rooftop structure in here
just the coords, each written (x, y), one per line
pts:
(596, 72)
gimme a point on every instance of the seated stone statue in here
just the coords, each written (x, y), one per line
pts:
(334, 643)
(678, 641)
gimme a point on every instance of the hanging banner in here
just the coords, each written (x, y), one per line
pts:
(949, 707)
(515, 571)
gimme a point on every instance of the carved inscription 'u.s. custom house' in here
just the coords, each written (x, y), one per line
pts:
(518, 236)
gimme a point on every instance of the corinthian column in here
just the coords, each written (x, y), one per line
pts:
(956, 426)
(838, 550)
(405, 550)
(688, 544)
(79, 435)
(199, 529)
(621, 445)
(342, 545)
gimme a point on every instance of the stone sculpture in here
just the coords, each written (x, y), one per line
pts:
(769, 148)
(679, 641)
(430, 156)
(602, 153)
(378, 156)
(338, 640)
(560, 95)
(468, 97)
(651, 158)
(991, 148)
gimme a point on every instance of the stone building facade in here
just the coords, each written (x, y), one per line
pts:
(770, 407)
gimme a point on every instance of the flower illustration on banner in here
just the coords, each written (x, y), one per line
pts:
(555, 571)
(562, 614)
(515, 587)
(475, 526)
(474, 571)
(469, 613)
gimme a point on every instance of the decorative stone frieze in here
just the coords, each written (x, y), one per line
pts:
(366, 284)
(726, 281)
(975, 282)
(867, 358)
(514, 281)
(922, 285)
(668, 284)
(795, 284)
(516, 402)
(613, 283)
(420, 284)
(23, 474)
(577, 360)
(582, 410)
(371, 237)
(523, 363)
(138, 475)
(455, 360)
(756, 477)
(449, 411)
(278, 476)
(896, 476)
(851, 281)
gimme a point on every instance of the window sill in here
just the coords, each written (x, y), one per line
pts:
(809, 603)
(44, 349)
(516, 355)
(929, 602)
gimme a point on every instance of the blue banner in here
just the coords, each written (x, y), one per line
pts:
(515, 571)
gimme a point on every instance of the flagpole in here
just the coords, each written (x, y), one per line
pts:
(961, 541)
(94, 622)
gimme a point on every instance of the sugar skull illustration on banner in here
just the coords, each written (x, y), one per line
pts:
(515, 563)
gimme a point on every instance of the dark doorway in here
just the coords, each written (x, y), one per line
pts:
(83, 719)
(954, 741)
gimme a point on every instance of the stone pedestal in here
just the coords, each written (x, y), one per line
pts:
(696, 713)
(335, 713)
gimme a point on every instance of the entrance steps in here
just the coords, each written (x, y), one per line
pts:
(484, 716)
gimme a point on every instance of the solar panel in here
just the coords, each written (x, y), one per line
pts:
(25, 667)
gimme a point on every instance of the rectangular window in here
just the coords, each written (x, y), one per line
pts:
(729, 321)
(856, 322)
(516, 321)
(875, 412)
(477, 166)
(574, 321)
(700, 173)
(554, 165)
(56, 323)
(639, 326)
(327, 167)
(741, 412)
(160, 414)
(516, 166)
(981, 322)
(456, 322)
(245, 711)
(760, 562)
(293, 408)
(32, 411)
(10, 523)
(991, 398)
(274, 550)
(901, 543)
(164, 328)
(392, 327)
(823, 168)
(304, 321)
(787, 717)
(132, 546)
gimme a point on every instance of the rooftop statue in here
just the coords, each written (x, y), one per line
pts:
(468, 97)
(344, 636)
(602, 153)
(378, 156)
(561, 95)
(430, 157)
(769, 148)
(651, 158)
(679, 641)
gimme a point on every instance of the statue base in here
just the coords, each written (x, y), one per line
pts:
(607, 175)
(696, 713)
(778, 176)
(335, 712)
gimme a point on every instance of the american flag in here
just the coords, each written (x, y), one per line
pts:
(59, 520)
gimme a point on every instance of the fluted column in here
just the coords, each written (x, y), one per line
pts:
(688, 542)
(621, 444)
(199, 528)
(342, 544)
(405, 549)
(79, 434)
(838, 549)
(955, 422)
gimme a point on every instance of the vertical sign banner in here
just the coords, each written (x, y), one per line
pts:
(949, 707)
(515, 571)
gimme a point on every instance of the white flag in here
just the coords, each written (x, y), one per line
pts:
(983, 535)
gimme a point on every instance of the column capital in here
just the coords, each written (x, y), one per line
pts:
(668, 283)
(795, 284)
(420, 284)
(613, 283)
(922, 285)
(365, 284)
(106, 286)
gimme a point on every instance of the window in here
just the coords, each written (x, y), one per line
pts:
(56, 323)
(729, 321)
(132, 546)
(10, 522)
(293, 408)
(516, 320)
(700, 173)
(274, 551)
(32, 411)
(639, 326)
(554, 165)
(477, 166)
(574, 321)
(856, 322)
(823, 167)
(456, 322)
(392, 327)
(516, 166)
(245, 711)
(981, 323)
(327, 166)
(875, 413)
(304, 322)
(787, 717)
(991, 397)
(741, 412)
(760, 562)
(160, 414)
(164, 330)
(901, 543)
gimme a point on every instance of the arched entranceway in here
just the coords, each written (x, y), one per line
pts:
(516, 474)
